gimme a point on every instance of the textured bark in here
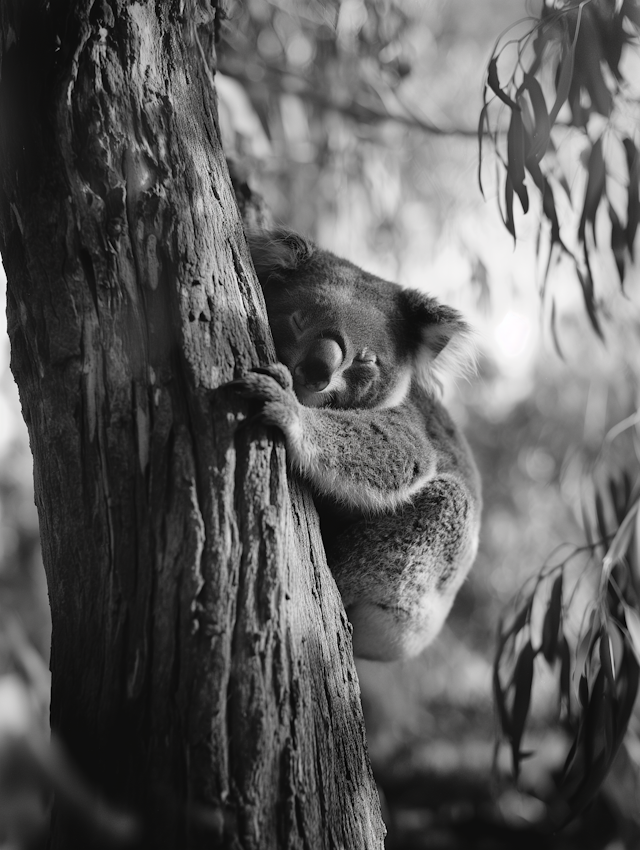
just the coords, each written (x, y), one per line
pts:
(201, 661)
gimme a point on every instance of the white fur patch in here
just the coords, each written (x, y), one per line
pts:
(400, 391)
(301, 452)
(355, 494)
(458, 358)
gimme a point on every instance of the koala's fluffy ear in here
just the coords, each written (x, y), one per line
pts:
(440, 339)
(275, 252)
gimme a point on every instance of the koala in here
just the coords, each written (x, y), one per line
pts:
(355, 396)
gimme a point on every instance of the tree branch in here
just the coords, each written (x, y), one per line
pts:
(283, 82)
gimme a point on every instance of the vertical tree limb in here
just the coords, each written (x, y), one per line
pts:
(201, 661)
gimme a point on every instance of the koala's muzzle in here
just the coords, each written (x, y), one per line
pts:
(320, 362)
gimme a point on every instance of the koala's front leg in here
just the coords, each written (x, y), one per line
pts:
(273, 386)
(367, 459)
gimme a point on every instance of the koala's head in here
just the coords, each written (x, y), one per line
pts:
(350, 339)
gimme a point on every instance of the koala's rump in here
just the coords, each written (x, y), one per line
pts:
(399, 572)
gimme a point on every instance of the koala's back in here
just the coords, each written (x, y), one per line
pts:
(398, 571)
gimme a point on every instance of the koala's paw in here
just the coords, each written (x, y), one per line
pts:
(279, 372)
(266, 383)
(273, 386)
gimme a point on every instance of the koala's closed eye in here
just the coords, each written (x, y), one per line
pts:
(366, 356)
(395, 484)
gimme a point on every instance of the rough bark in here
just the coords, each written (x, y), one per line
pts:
(201, 661)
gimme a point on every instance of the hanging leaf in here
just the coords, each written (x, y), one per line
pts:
(528, 121)
(523, 679)
(516, 157)
(549, 209)
(586, 282)
(541, 116)
(633, 201)
(482, 124)
(548, 203)
(554, 325)
(585, 646)
(565, 673)
(494, 84)
(563, 83)
(508, 206)
(595, 187)
(551, 624)
(618, 242)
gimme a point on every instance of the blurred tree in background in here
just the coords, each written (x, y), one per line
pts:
(357, 121)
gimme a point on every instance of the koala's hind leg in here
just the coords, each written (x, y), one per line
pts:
(398, 573)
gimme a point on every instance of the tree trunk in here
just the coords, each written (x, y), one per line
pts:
(202, 675)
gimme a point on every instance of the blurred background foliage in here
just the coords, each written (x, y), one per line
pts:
(356, 120)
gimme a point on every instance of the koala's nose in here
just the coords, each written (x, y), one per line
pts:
(320, 362)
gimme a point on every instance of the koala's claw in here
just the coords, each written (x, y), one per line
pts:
(279, 372)
(257, 382)
(268, 384)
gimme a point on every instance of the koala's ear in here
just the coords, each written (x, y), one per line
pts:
(276, 252)
(440, 340)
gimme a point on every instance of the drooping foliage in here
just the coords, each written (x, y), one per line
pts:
(596, 665)
(559, 93)
(561, 113)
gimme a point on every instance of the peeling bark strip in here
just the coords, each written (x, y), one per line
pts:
(201, 661)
